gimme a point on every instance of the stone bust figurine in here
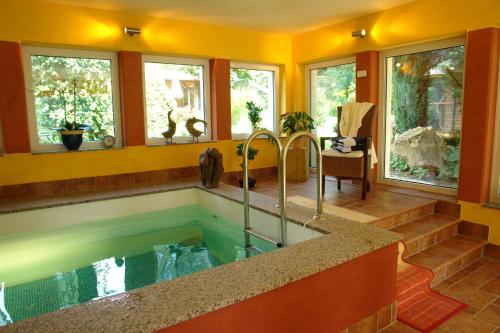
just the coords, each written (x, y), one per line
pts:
(211, 167)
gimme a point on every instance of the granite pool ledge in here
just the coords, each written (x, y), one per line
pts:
(167, 303)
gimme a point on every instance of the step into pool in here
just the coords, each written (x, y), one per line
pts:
(63, 256)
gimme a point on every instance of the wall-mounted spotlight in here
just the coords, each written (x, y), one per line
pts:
(131, 31)
(360, 33)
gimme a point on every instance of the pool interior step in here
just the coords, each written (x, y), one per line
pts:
(427, 231)
(449, 256)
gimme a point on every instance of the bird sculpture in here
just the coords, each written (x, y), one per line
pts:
(193, 131)
(169, 134)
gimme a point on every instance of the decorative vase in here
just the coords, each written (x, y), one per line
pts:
(72, 140)
(251, 182)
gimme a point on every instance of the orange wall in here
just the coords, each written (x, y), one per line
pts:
(328, 301)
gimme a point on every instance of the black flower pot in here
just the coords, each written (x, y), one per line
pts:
(251, 182)
(72, 140)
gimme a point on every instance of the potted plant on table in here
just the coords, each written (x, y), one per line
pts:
(252, 152)
(254, 115)
(295, 122)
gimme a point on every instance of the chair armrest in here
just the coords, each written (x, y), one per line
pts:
(323, 139)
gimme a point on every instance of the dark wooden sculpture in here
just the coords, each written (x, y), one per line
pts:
(211, 167)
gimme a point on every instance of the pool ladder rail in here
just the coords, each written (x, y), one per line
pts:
(282, 155)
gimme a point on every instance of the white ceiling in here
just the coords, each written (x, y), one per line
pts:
(283, 16)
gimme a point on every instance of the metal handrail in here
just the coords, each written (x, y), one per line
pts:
(319, 172)
(246, 196)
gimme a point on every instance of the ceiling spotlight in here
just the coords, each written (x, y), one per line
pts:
(131, 31)
(360, 33)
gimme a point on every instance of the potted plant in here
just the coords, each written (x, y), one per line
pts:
(254, 115)
(294, 122)
(252, 152)
(71, 132)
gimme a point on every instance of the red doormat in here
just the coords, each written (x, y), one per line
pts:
(418, 305)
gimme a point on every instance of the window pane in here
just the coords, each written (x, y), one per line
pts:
(331, 87)
(74, 90)
(424, 116)
(256, 86)
(176, 87)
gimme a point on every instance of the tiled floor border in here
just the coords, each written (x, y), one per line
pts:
(375, 322)
(75, 185)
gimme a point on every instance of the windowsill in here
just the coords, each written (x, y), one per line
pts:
(178, 143)
(74, 151)
(492, 205)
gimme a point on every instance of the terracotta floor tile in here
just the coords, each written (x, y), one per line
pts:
(471, 310)
(492, 266)
(476, 265)
(490, 314)
(492, 286)
(443, 286)
(465, 323)
(458, 276)
(472, 296)
(477, 278)
(399, 327)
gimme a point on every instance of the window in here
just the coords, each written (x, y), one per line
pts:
(177, 85)
(73, 86)
(257, 84)
(331, 84)
(495, 172)
(422, 90)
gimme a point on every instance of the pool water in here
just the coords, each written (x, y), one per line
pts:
(41, 272)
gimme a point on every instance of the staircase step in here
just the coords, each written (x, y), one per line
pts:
(425, 232)
(449, 256)
(407, 216)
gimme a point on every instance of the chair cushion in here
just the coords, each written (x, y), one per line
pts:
(336, 153)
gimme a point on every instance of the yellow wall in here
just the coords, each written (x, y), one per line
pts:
(37, 22)
(418, 21)
(476, 213)
(27, 168)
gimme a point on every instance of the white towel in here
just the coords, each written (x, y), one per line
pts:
(352, 118)
(348, 142)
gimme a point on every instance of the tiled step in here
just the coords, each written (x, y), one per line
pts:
(401, 218)
(449, 256)
(425, 232)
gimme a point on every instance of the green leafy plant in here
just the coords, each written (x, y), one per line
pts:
(66, 125)
(254, 114)
(252, 152)
(399, 164)
(419, 172)
(295, 122)
(451, 158)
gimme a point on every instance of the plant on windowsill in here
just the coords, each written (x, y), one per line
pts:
(252, 152)
(71, 132)
(254, 115)
(295, 122)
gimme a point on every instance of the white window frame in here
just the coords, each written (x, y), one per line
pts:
(29, 51)
(495, 170)
(324, 64)
(205, 90)
(259, 67)
(384, 157)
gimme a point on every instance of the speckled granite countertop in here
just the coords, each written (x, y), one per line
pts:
(167, 303)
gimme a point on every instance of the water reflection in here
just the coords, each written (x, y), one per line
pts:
(103, 278)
